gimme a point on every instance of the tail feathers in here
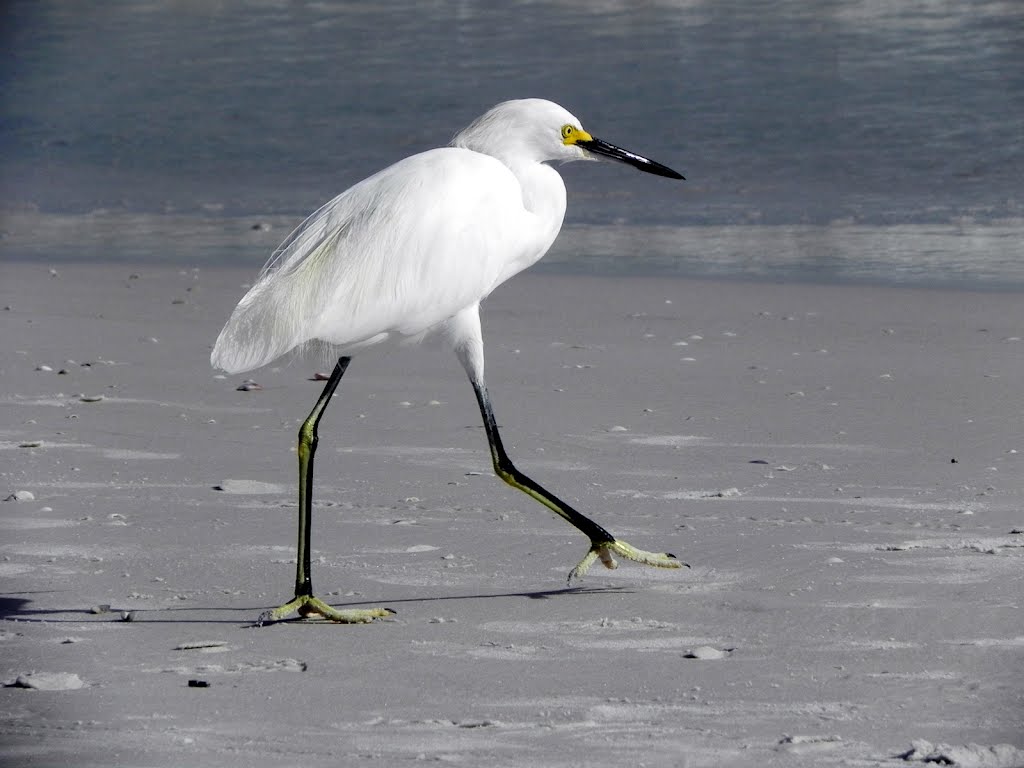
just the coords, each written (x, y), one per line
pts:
(262, 328)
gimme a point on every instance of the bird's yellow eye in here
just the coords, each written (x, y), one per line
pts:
(567, 131)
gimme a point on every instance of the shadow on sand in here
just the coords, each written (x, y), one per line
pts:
(15, 608)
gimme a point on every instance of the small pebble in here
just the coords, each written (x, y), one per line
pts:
(48, 681)
(248, 386)
(706, 653)
(725, 493)
(90, 398)
(198, 684)
(198, 645)
(809, 741)
(421, 548)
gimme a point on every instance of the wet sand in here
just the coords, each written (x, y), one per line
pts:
(841, 466)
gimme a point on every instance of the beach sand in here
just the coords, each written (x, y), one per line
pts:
(841, 466)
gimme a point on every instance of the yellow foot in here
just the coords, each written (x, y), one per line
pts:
(605, 549)
(307, 605)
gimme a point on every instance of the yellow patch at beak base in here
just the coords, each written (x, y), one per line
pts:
(570, 137)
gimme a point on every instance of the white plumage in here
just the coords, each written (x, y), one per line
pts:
(413, 250)
(408, 248)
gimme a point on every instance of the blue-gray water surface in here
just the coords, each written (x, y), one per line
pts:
(821, 140)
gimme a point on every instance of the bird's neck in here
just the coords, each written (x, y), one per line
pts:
(543, 195)
(544, 200)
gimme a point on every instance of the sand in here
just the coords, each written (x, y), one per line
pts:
(842, 467)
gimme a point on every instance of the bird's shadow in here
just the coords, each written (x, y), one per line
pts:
(13, 607)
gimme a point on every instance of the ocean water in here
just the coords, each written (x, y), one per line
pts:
(825, 141)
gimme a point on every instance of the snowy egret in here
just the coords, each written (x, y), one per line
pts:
(412, 251)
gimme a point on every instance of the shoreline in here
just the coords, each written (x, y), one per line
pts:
(964, 254)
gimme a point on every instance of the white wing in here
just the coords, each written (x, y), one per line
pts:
(399, 253)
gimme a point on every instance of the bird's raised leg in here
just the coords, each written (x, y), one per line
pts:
(464, 332)
(603, 545)
(304, 603)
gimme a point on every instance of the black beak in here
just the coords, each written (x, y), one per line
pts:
(603, 148)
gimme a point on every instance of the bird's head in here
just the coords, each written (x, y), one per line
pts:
(536, 130)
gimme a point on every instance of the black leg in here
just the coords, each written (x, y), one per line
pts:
(304, 603)
(507, 471)
(602, 544)
(308, 439)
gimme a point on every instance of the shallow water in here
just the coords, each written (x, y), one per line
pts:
(820, 140)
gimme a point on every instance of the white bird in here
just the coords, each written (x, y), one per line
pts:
(412, 251)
